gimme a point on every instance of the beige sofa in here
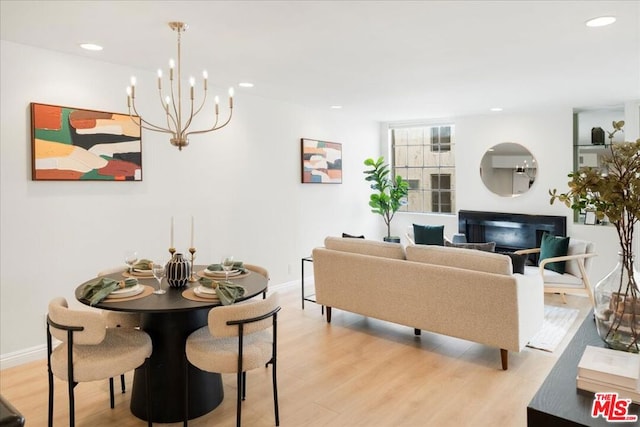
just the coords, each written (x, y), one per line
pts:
(462, 293)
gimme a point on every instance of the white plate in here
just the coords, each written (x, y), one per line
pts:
(127, 292)
(221, 273)
(204, 292)
(145, 273)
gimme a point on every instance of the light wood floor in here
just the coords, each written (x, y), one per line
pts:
(354, 372)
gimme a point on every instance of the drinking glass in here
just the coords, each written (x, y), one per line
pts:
(227, 264)
(130, 258)
(158, 273)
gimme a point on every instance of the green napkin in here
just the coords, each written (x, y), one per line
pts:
(227, 292)
(143, 264)
(237, 265)
(99, 289)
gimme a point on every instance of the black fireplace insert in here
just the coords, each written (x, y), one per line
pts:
(510, 231)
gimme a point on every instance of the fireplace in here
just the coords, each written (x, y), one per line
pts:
(510, 231)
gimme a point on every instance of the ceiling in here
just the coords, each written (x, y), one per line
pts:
(386, 60)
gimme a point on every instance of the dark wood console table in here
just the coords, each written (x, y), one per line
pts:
(559, 402)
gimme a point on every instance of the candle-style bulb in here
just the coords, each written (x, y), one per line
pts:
(133, 80)
(217, 101)
(172, 63)
(192, 81)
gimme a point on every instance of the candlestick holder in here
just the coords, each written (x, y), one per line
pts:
(193, 277)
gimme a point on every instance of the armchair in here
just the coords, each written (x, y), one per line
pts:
(575, 280)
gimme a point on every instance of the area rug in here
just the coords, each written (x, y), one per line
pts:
(557, 321)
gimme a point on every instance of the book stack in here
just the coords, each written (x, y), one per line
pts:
(604, 370)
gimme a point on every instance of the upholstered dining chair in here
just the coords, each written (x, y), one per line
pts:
(90, 351)
(119, 319)
(263, 272)
(575, 280)
(234, 341)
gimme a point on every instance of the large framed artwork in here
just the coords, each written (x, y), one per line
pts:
(73, 144)
(321, 162)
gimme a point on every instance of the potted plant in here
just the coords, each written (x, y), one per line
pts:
(389, 193)
(613, 191)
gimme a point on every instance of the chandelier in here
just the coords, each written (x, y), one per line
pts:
(177, 125)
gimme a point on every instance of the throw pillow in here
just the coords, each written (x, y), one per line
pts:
(517, 261)
(487, 247)
(553, 246)
(428, 234)
(352, 237)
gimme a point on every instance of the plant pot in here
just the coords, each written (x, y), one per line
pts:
(178, 271)
(392, 239)
(617, 309)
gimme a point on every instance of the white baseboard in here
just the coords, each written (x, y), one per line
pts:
(21, 357)
(39, 352)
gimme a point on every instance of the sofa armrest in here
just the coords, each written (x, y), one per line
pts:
(527, 251)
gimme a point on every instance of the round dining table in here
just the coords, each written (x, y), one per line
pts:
(169, 319)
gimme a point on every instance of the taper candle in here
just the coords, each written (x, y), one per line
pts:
(192, 232)
(172, 232)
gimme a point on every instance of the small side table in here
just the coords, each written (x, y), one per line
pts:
(305, 297)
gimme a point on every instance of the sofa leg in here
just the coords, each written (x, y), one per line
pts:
(417, 331)
(328, 314)
(504, 357)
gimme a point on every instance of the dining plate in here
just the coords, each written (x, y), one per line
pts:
(203, 292)
(142, 273)
(221, 273)
(126, 292)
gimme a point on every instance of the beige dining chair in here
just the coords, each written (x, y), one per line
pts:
(575, 280)
(89, 351)
(119, 319)
(234, 341)
(262, 271)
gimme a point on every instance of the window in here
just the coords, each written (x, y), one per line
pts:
(424, 156)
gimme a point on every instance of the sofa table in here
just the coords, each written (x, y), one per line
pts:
(559, 402)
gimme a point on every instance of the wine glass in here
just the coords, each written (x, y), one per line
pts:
(158, 273)
(227, 264)
(130, 258)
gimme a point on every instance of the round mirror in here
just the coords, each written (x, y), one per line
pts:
(508, 169)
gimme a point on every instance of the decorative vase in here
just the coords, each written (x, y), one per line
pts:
(617, 310)
(178, 271)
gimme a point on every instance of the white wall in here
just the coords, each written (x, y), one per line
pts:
(242, 185)
(548, 136)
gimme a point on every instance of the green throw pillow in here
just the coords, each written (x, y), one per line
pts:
(428, 234)
(553, 246)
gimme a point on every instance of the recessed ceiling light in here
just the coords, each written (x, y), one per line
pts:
(245, 84)
(601, 21)
(336, 107)
(90, 46)
(495, 109)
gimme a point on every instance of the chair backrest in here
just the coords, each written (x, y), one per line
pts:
(577, 246)
(219, 316)
(260, 270)
(93, 324)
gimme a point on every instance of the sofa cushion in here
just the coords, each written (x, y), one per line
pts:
(469, 259)
(428, 234)
(518, 261)
(553, 246)
(487, 247)
(365, 247)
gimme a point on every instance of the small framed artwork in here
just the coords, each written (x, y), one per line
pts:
(590, 218)
(321, 162)
(73, 144)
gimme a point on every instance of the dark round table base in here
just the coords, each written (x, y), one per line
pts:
(169, 332)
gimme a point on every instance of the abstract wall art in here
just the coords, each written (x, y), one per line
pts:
(321, 162)
(73, 144)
